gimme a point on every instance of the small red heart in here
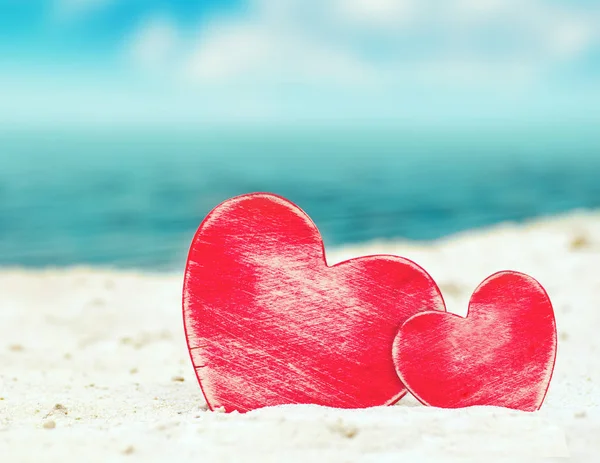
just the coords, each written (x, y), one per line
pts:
(268, 322)
(501, 354)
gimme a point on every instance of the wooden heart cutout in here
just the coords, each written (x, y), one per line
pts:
(268, 322)
(501, 354)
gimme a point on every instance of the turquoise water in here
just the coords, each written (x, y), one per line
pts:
(135, 199)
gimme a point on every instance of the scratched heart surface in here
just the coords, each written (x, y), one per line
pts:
(268, 322)
(501, 354)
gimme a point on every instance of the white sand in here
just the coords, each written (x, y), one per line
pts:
(94, 367)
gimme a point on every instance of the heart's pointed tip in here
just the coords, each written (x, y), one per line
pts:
(486, 407)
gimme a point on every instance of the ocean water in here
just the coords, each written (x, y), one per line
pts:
(135, 199)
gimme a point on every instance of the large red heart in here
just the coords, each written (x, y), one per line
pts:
(269, 323)
(501, 354)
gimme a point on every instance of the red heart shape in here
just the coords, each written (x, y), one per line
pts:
(269, 323)
(501, 354)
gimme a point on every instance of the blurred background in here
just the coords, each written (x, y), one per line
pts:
(124, 122)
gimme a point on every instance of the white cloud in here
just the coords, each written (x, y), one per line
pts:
(370, 59)
(288, 60)
(568, 37)
(249, 51)
(353, 41)
(377, 13)
(332, 60)
(155, 43)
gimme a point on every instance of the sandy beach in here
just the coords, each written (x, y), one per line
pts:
(94, 367)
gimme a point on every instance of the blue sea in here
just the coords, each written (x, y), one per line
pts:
(134, 199)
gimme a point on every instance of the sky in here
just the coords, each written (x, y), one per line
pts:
(129, 63)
